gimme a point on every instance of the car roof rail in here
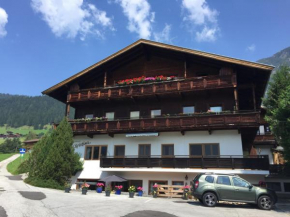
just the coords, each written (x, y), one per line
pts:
(226, 174)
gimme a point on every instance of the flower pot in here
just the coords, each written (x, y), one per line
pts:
(118, 191)
(140, 193)
(154, 193)
(108, 193)
(131, 194)
(67, 190)
(84, 191)
(99, 189)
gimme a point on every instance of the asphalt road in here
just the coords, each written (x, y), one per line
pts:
(20, 199)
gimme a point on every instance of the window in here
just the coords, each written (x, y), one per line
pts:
(240, 183)
(223, 180)
(209, 179)
(177, 182)
(167, 150)
(134, 115)
(188, 110)
(155, 113)
(211, 149)
(95, 152)
(216, 108)
(287, 187)
(276, 186)
(144, 150)
(110, 115)
(119, 150)
(195, 150)
(204, 150)
(89, 116)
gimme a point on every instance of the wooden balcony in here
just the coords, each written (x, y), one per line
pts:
(278, 170)
(208, 122)
(203, 162)
(156, 88)
(265, 139)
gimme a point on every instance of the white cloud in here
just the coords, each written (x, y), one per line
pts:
(164, 35)
(251, 48)
(139, 15)
(201, 18)
(72, 18)
(3, 22)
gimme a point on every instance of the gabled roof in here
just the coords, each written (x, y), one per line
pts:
(164, 46)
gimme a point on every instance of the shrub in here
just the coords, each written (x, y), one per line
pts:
(43, 183)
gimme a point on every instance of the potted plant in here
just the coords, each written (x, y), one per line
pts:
(131, 190)
(118, 189)
(140, 191)
(108, 190)
(100, 187)
(154, 193)
(67, 187)
(185, 192)
(85, 188)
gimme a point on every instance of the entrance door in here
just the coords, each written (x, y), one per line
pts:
(152, 182)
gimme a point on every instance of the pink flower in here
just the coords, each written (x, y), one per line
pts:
(140, 189)
(186, 187)
(155, 186)
(100, 184)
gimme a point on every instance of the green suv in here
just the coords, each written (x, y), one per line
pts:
(210, 188)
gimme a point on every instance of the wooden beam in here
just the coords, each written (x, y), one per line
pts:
(67, 110)
(236, 99)
(254, 97)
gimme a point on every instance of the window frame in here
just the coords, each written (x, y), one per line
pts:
(115, 151)
(93, 147)
(144, 155)
(110, 112)
(89, 114)
(216, 105)
(164, 156)
(184, 106)
(155, 110)
(137, 117)
(203, 149)
(249, 184)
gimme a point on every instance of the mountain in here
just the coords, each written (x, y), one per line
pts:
(278, 59)
(37, 111)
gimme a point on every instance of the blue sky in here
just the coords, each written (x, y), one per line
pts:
(43, 42)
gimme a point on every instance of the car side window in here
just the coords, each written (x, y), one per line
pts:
(223, 180)
(240, 183)
(209, 179)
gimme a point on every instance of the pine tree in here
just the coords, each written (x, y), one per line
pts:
(53, 157)
(277, 104)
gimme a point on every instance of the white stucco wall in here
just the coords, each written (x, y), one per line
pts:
(229, 140)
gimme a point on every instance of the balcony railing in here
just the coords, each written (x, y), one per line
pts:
(265, 139)
(230, 120)
(277, 169)
(179, 85)
(204, 162)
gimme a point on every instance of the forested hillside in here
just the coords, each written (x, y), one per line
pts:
(278, 59)
(17, 110)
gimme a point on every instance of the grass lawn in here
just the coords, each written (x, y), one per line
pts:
(5, 156)
(12, 167)
(23, 130)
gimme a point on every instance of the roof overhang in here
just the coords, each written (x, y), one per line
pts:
(166, 47)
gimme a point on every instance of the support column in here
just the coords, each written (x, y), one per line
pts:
(67, 110)
(105, 79)
(254, 97)
(236, 99)
(185, 70)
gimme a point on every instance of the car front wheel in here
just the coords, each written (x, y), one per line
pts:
(265, 202)
(209, 199)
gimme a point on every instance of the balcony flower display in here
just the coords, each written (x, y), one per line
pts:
(118, 189)
(140, 191)
(100, 187)
(144, 79)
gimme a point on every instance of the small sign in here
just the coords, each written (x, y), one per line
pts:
(22, 150)
(141, 134)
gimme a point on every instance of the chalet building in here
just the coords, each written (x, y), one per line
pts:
(158, 113)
